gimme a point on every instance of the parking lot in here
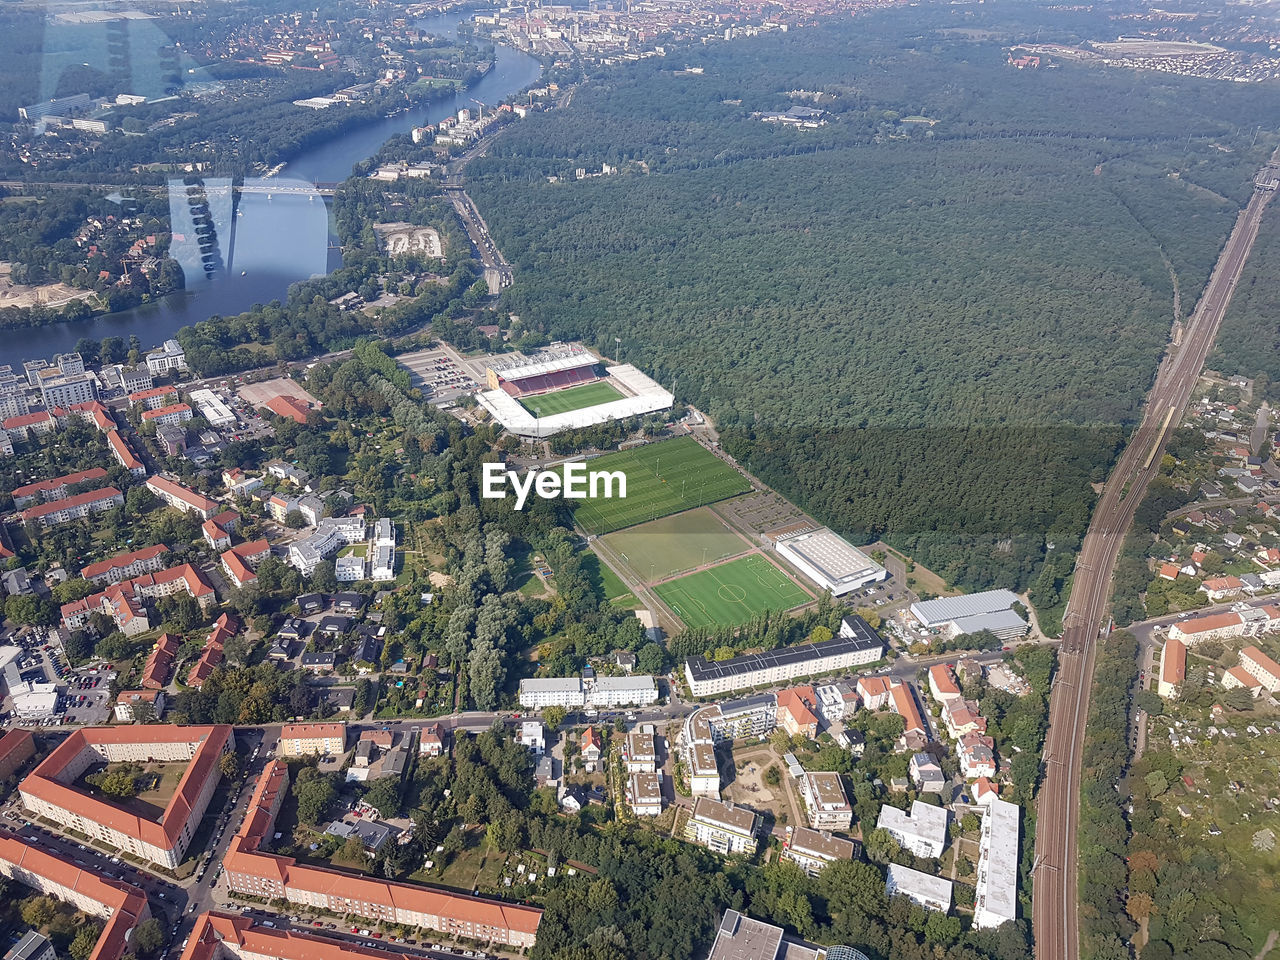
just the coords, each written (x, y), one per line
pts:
(83, 695)
(438, 375)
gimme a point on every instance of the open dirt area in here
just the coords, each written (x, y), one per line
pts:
(402, 238)
(49, 294)
(259, 393)
(748, 788)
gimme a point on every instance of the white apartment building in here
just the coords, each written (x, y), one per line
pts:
(933, 893)
(644, 794)
(331, 534)
(169, 357)
(538, 693)
(996, 896)
(825, 801)
(812, 850)
(923, 831)
(634, 691)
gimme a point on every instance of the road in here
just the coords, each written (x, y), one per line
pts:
(1054, 908)
(470, 216)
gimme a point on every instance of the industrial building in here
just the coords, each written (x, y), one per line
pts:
(830, 561)
(990, 610)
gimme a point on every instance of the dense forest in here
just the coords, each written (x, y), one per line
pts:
(938, 333)
(1248, 344)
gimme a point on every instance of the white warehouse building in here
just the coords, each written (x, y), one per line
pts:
(830, 561)
(989, 610)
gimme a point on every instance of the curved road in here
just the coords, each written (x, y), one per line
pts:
(1054, 908)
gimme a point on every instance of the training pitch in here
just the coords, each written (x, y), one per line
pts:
(674, 544)
(662, 479)
(574, 398)
(730, 594)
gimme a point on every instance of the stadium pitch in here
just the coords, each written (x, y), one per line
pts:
(573, 398)
(662, 479)
(731, 593)
(663, 548)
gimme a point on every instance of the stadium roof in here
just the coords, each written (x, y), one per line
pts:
(648, 397)
(553, 360)
(702, 669)
(931, 613)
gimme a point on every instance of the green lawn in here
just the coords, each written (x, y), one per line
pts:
(662, 479)
(677, 543)
(606, 583)
(575, 398)
(731, 593)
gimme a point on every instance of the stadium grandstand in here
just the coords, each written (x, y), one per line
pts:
(559, 366)
(638, 395)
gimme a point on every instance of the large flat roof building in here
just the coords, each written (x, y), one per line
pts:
(971, 613)
(49, 791)
(707, 678)
(996, 896)
(830, 561)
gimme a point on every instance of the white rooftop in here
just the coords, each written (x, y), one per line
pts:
(996, 899)
(919, 886)
(831, 555)
(551, 684)
(924, 821)
(931, 613)
(649, 397)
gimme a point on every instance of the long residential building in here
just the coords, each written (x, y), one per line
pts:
(124, 601)
(120, 905)
(225, 936)
(125, 566)
(1260, 666)
(254, 872)
(181, 498)
(49, 790)
(55, 488)
(933, 893)
(996, 897)
(537, 693)
(72, 508)
(1173, 667)
(857, 644)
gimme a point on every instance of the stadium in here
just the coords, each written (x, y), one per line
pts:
(564, 388)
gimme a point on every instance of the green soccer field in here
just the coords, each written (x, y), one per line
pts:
(662, 479)
(575, 398)
(730, 594)
(675, 544)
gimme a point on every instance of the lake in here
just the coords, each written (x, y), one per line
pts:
(274, 238)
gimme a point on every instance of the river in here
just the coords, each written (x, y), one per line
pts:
(277, 239)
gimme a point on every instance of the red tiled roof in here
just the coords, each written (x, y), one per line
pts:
(904, 704)
(153, 392)
(311, 731)
(43, 782)
(240, 936)
(798, 702)
(122, 560)
(164, 411)
(123, 451)
(289, 407)
(26, 420)
(1173, 662)
(156, 672)
(126, 904)
(945, 682)
(91, 496)
(48, 486)
(167, 486)
(1262, 660)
